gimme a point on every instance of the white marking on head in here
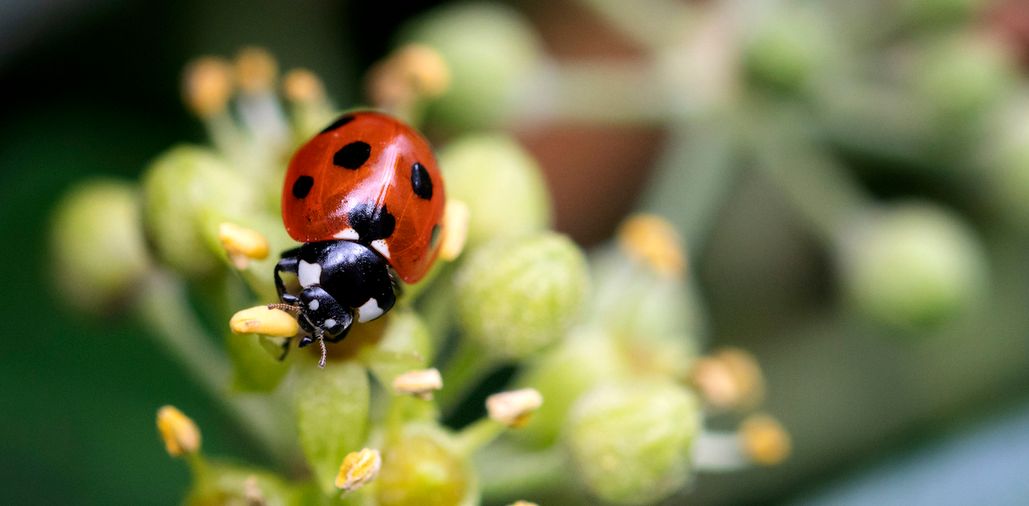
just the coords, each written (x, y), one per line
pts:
(313, 305)
(381, 247)
(369, 311)
(330, 323)
(309, 274)
(347, 233)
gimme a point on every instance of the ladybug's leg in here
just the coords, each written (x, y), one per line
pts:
(285, 348)
(289, 263)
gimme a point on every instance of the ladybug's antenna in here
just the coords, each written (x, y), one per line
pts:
(289, 308)
(321, 343)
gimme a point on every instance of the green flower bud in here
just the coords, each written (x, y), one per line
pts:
(630, 441)
(588, 357)
(254, 368)
(491, 52)
(912, 266)
(517, 296)
(1006, 163)
(188, 193)
(98, 246)
(422, 468)
(494, 175)
(787, 51)
(960, 78)
(653, 315)
(940, 12)
(225, 483)
(332, 416)
(405, 346)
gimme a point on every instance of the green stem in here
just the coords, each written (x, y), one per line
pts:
(650, 23)
(627, 93)
(163, 307)
(225, 135)
(821, 190)
(469, 365)
(508, 472)
(477, 435)
(692, 179)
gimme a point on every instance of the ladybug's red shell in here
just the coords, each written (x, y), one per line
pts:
(371, 179)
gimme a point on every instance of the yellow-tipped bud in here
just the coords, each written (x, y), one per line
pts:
(302, 86)
(256, 70)
(653, 241)
(514, 408)
(242, 244)
(207, 85)
(420, 383)
(425, 68)
(411, 72)
(764, 440)
(728, 379)
(181, 436)
(264, 321)
(252, 493)
(358, 468)
(455, 230)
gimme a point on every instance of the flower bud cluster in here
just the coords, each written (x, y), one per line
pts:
(606, 345)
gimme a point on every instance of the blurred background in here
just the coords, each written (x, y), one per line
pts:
(851, 179)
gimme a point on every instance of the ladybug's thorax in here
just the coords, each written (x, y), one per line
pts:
(356, 277)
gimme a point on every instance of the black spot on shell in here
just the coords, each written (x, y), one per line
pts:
(302, 186)
(353, 155)
(421, 183)
(371, 222)
(340, 121)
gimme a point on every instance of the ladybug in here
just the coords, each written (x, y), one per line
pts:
(366, 199)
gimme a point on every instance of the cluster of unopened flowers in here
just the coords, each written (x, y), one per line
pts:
(608, 386)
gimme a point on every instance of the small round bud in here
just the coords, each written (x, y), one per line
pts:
(514, 408)
(256, 70)
(518, 296)
(187, 193)
(912, 266)
(403, 346)
(499, 182)
(764, 439)
(264, 321)
(962, 77)
(223, 483)
(181, 436)
(358, 468)
(455, 230)
(412, 72)
(654, 242)
(787, 51)
(587, 358)
(207, 86)
(419, 468)
(640, 298)
(1005, 160)
(303, 86)
(630, 441)
(490, 51)
(97, 241)
(728, 379)
(242, 244)
(420, 383)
